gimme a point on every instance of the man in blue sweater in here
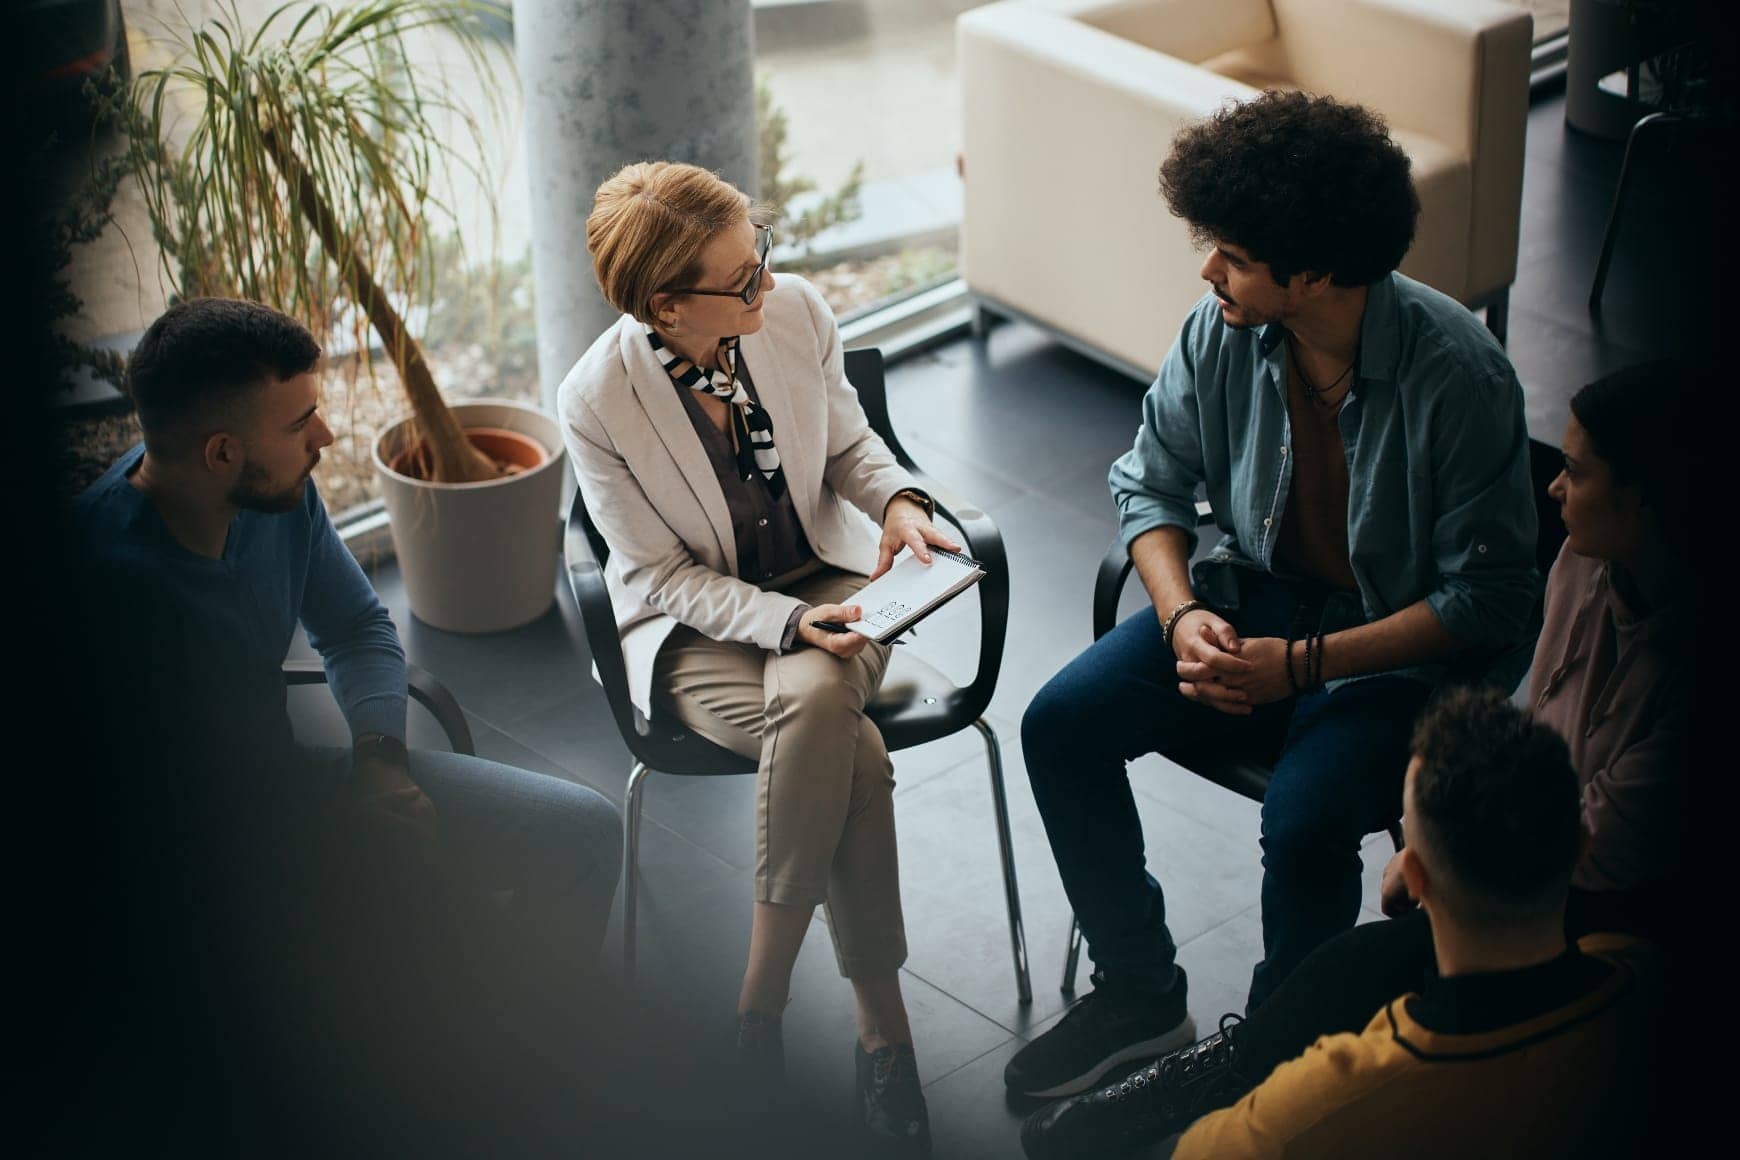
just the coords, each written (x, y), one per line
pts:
(207, 546)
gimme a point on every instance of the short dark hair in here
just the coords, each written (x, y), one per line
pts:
(1499, 803)
(1643, 422)
(204, 352)
(1302, 183)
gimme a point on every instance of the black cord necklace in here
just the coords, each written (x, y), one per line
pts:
(1312, 391)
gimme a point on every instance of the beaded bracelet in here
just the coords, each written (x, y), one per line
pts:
(1292, 680)
(1313, 661)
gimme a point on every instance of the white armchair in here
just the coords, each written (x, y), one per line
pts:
(1069, 106)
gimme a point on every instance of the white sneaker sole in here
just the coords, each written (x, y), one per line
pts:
(1182, 1035)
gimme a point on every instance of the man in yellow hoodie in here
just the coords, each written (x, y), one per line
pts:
(1522, 1044)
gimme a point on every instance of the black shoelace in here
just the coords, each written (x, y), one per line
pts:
(1183, 1067)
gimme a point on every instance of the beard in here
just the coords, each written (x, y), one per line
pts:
(255, 491)
(1247, 318)
(1240, 323)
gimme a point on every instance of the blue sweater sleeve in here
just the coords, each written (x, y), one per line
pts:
(353, 632)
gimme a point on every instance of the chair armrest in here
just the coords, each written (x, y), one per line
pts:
(423, 688)
(1457, 73)
(433, 696)
(864, 369)
(1037, 84)
(603, 639)
(984, 543)
(1115, 569)
(310, 672)
(1423, 64)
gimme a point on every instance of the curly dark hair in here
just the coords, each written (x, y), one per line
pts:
(204, 352)
(1498, 801)
(1302, 183)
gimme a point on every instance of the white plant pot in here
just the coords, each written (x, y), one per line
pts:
(478, 557)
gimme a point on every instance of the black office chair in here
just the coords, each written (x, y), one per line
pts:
(1249, 778)
(424, 689)
(915, 704)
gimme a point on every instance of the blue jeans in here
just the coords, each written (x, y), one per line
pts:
(1338, 763)
(555, 844)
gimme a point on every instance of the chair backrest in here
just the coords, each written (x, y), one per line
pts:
(662, 745)
(1191, 30)
(579, 517)
(865, 371)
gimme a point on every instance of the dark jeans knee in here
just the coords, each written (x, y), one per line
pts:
(1049, 725)
(1295, 839)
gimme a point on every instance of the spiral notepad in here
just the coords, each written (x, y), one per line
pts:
(912, 590)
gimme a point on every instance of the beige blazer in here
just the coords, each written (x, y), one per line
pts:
(651, 490)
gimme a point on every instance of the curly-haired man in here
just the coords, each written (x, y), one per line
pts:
(1360, 439)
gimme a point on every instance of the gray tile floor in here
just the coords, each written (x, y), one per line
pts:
(1027, 429)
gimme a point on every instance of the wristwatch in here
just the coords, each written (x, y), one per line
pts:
(378, 749)
(918, 497)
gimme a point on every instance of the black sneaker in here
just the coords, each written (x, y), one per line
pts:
(1150, 1104)
(760, 1051)
(1112, 1024)
(890, 1099)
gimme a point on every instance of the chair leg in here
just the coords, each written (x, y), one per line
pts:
(1627, 169)
(1073, 957)
(1498, 315)
(1011, 896)
(631, 864)
(982, 320)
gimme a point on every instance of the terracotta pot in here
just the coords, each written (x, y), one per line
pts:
(478, 557)
(509, 447)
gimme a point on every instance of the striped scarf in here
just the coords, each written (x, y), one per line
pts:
(753, 426)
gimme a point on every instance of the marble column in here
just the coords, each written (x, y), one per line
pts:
(607, 82)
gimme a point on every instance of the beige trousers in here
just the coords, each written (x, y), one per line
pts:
(824, 814)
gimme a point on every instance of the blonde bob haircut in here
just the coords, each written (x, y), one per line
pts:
(649, 223)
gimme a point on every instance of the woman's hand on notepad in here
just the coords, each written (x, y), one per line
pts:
(905, 525)
(844, 645)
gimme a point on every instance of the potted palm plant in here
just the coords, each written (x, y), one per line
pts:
(295, 162)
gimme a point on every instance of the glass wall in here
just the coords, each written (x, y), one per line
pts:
(859, 114)
(862, 97)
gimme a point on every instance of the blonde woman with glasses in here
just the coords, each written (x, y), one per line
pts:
(729, 466)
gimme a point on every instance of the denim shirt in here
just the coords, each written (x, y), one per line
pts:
(1440, 502)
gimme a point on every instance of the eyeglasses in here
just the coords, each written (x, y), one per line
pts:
(751, 288)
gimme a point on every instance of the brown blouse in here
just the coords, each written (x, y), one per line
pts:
(1616, 686)
(770, 540)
